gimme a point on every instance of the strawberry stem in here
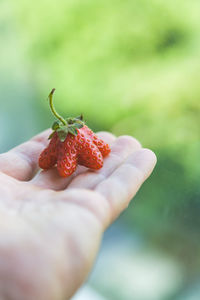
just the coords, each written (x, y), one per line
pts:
(53, 109)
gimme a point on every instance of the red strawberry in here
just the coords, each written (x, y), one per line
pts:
(72, 143)
(48, 157)
(89, 154)
(67, 156)
(103, 147)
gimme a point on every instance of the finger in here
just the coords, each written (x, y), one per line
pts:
(121, 148)
(107, 137)
(22, 161)
(125, 181)
(50, 179)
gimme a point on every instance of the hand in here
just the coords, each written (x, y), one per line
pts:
(51, 227)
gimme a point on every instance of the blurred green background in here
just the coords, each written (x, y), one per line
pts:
(131, 67)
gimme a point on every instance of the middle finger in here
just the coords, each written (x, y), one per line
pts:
(122, 147)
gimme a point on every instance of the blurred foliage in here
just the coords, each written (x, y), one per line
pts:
(131, 67)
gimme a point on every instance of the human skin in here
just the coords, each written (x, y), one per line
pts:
(51, 227)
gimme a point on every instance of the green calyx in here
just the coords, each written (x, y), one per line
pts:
(64, 126)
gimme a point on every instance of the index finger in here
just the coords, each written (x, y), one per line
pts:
(21, 162)
(121, 186)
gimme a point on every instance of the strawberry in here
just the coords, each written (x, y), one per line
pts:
(48, 157)
(72, 143)
(67, 156)
(89, 154)
(102, 146)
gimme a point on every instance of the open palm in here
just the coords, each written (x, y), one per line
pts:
(51, 227)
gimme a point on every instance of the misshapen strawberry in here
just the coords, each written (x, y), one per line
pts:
(72, 143)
